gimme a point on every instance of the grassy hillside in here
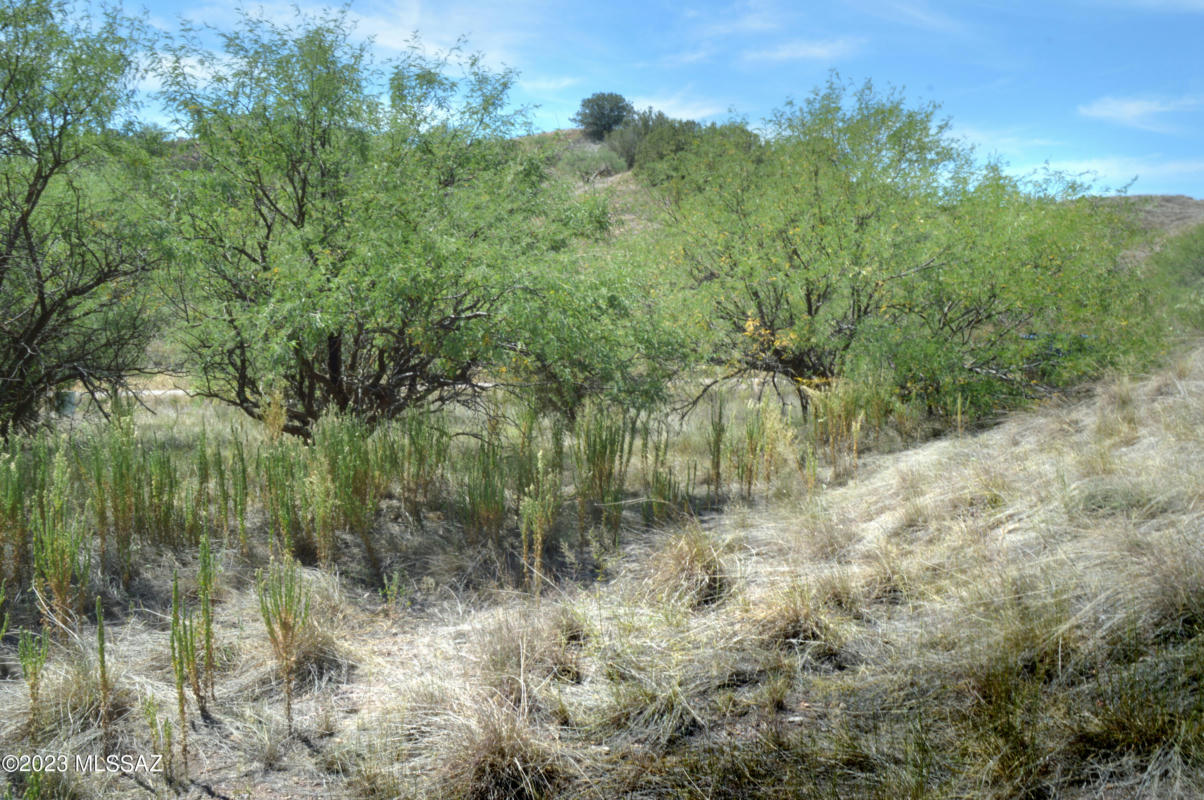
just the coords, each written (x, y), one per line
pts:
(1011, 612)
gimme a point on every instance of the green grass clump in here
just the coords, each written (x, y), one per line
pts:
(602, 453)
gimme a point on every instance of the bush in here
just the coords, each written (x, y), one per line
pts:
(625, 139)
(860, 237)
(586, 164)
(1177, 273)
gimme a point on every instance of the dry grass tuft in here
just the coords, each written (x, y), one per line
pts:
(794, 617)
(500, 757)
(689, 570)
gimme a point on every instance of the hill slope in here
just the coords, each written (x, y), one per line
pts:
(1017, 612)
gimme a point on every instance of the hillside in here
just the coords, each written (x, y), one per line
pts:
(1012, 612)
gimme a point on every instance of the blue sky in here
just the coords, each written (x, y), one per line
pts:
(1112, 88)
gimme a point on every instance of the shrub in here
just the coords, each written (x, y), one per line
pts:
(394, 277)
(586, 164)
(861, 236)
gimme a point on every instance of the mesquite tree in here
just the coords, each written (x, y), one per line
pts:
(346, 246)
(74, 250)
(861, 238)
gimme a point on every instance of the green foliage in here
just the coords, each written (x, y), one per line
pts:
(62, 547)
(682, 157)
(586, 164)
(601, 113)
(284, 605)
(356, 251)
(1176, 273)
(860, 237)
(605, 440)
(187, 651)
(32, 650)
(206, 579)
(22, 465)
(611, 339)
(716, 432)
(282, 466)
(537, 510)
(346, 481)
(75, 251)
(485, 492)
(627, 139)
(416, 451)
(666, 493)
(653, 158)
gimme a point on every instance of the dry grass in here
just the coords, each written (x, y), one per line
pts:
(1013, 613)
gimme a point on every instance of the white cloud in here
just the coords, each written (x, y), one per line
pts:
(1012, 142)
(1138, 112)
(1154, 174)
(501, 38)
(688, 57)
(679, 106)
(751, 16)
(547, 84)
(809, 50)
(921, 16)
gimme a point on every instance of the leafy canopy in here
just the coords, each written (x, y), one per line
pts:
(75, 249)
(861, 239)
(601, 113)
(354, 249)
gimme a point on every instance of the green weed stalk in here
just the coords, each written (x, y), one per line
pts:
(161, 737)
(284, 605)
(715, 443)
(32, 650)
(62, 548)
(602, 454)
(485, 493)
(206, 578)
(184, 653)
(538, 509)
(239, 490)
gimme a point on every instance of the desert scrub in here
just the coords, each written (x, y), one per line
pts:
(793, 618)
(32, 650)
(666, 494)
(106, 685)
(352, 485)
(415, 449)
(716, 432)
(497, 753)
(186, 662)
(281, 466)
(484, 492)
(587, 163)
